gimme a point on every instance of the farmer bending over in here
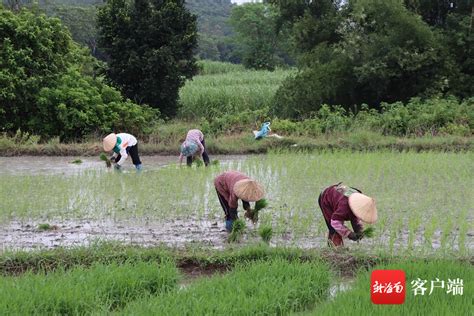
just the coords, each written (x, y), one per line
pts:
(122, 144)
(232, 186)
(193, 146)
(341, 203)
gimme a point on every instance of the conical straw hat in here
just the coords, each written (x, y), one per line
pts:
(109, 141)
(249, 190)
(363, 207)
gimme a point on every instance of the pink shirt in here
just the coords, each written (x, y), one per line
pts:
(224, 184)
(196, 136)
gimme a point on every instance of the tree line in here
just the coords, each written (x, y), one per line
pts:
(348, 53)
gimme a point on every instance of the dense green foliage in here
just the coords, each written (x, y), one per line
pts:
(214, 29)
(225, 99)
(257, 42)
(268, 287)
(48, 85)
(79, 291)
(150, 49)
(367, 51)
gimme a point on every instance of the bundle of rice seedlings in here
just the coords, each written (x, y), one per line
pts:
(369, 232)
(198, 162)
(76, 161)
(252, 214)
(266, 233)
(103, 157)
(237, 231)
(215, 162)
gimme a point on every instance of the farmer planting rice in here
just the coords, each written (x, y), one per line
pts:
(194, 146)
(341, 203)
(232, 186)
(122, 144)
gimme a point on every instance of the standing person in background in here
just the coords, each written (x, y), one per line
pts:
(341, 203)
(122, 144)
(193, 146)
(232, 186)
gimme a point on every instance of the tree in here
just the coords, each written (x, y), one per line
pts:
(259, 45)
(384, 54)
(48, 85)
(149, 44)
(35, 51)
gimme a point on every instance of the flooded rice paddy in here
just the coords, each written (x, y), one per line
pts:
(425, 201)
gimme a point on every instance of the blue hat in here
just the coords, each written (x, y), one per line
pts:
(188, 148)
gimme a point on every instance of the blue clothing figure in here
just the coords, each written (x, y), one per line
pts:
(263, 132)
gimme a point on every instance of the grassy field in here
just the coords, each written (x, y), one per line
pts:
(224, 88)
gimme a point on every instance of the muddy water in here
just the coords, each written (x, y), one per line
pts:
(64, 165)
(176, 233)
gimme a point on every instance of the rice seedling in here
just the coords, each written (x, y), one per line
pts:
(369, 232)
(77, 161)
(215, 162)
(198, 162)
(252, 214)
(266, 233)
(46, 226)
(237, 232)
(79, 291)
(103, 157)
(274, 287)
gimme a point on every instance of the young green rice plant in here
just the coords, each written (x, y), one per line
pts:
(215, 162)
(237, 232)
(252, 214)
(267, 287)
(369, 232)
(103, 157)
(77, 161)
(446, 233)
(430, 229)
(85, 290)
(46, 226)
(266, 233)
(199, 162)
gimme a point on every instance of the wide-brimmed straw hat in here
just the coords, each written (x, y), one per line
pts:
(110, 141)
(363, 207)
(188, 148)
(249, 190)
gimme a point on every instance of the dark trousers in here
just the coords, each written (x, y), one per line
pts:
(205, 156)
(230, 213)
(133, 152)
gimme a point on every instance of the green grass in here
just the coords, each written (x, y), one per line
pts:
(99, 288)
(218, 93)
(357, 300)
(268, 287)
